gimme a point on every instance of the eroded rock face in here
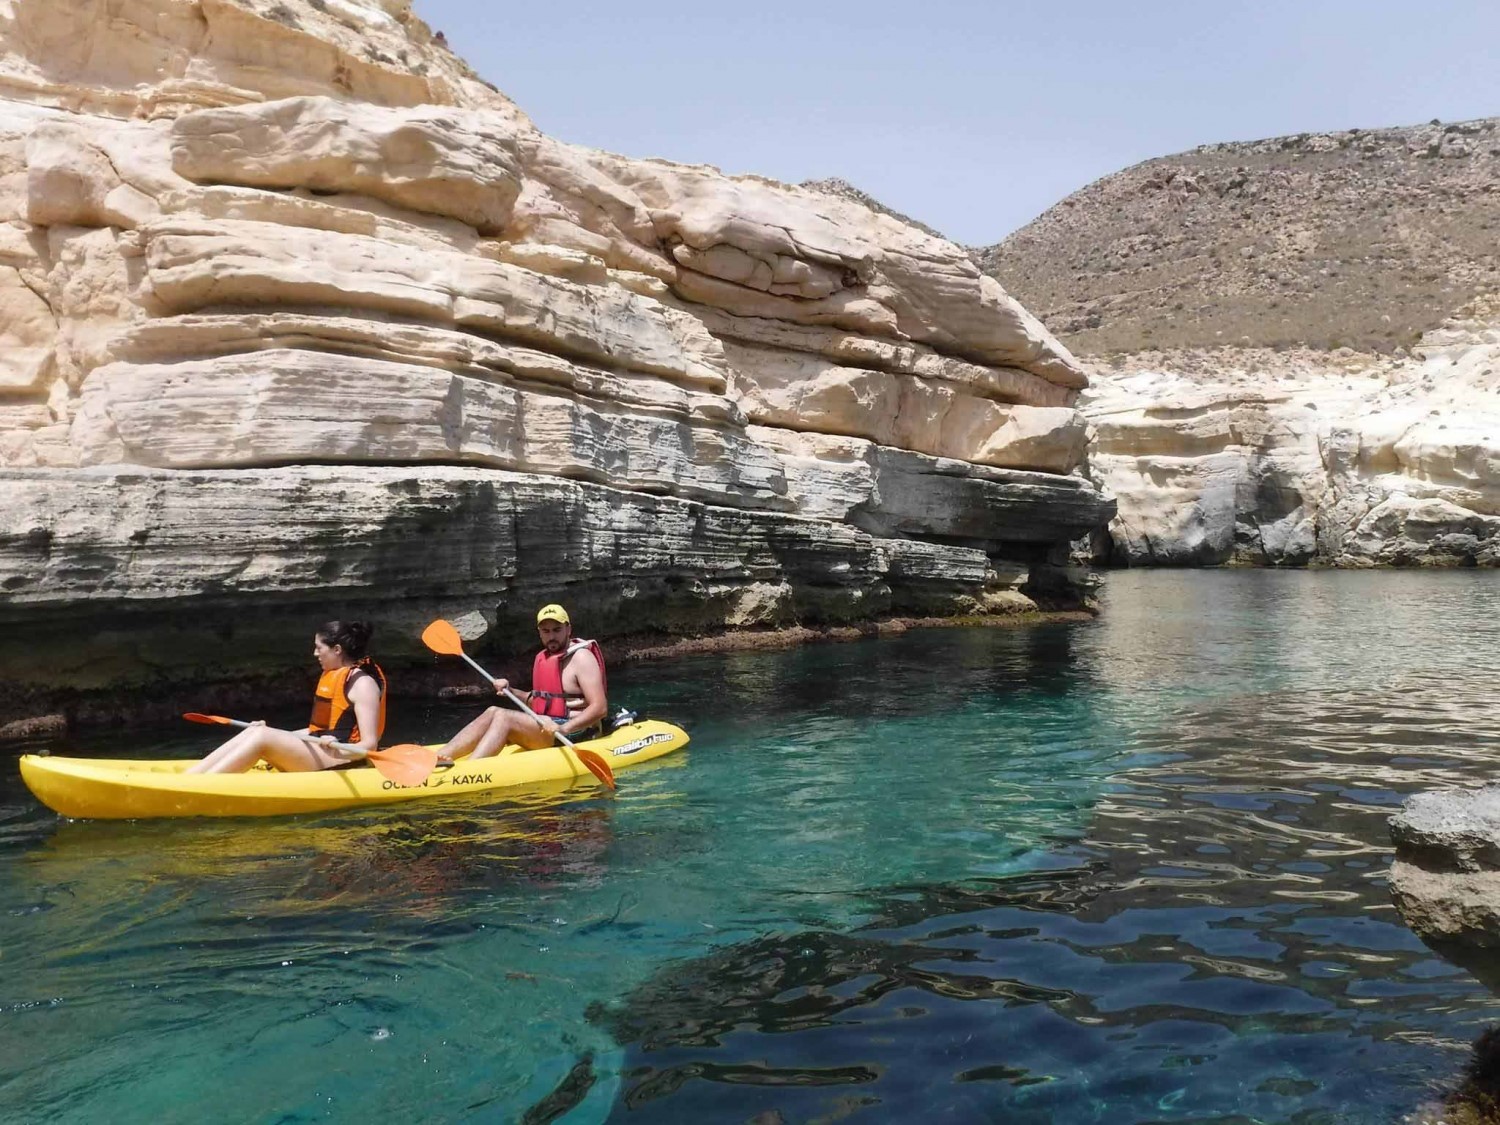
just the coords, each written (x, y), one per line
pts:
(295, 310)
(1446, 877)
(436, 160)
(171, 559)
(1321, 458)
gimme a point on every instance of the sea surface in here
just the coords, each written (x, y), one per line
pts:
(1126, 870)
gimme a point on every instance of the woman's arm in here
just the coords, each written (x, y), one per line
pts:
(365, 695)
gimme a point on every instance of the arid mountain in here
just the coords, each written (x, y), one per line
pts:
(1364, 238)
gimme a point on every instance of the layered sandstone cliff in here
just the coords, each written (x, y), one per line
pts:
(300, 317)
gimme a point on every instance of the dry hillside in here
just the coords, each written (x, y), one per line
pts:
(1365, 238)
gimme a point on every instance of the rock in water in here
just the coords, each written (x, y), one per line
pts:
(300, 317)
(1446, 876)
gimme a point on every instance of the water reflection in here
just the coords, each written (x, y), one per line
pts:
(1225, 945)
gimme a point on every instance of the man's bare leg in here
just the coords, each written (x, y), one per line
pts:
(468, 738)
(508, 727)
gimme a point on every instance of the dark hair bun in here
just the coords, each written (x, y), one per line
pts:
(351, 636)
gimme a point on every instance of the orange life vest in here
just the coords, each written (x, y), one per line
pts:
(333, 713)
(547, 695)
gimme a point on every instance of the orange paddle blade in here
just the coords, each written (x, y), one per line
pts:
(596, 765)
(407, 764)
(194, 717)
(443, 637)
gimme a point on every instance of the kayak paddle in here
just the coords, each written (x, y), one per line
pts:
(407, 764)
(443, 638)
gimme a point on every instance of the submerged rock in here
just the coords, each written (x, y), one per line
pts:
(1476, 1098)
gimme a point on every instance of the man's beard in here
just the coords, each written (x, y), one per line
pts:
(555, 646)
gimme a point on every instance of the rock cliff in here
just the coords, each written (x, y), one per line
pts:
(1295, 345)
(302, 318)
(1301, 457)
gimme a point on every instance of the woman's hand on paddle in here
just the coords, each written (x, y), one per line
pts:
(500, 685)
(349, 754)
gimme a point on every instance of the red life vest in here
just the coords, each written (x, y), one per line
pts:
(547, 695)
(333, 712)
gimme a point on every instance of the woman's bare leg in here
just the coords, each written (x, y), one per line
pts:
(285, 751)
(224, 752)
(290, 754)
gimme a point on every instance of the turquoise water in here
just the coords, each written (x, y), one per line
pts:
(1126, 870)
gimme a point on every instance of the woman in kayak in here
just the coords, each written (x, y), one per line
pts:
(349, 706)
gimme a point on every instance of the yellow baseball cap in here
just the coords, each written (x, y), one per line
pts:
(553, 612)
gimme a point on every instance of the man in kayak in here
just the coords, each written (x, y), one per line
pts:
(567, 694)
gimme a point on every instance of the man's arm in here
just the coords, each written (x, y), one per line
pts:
(590, 683)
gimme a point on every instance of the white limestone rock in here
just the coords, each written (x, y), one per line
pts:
(1002, 384)
(1446, 876)
(758, 248)
(893, 492)
(28, 332)
(1312, 458)
(796, 391)
(72, 182)
(288, 406)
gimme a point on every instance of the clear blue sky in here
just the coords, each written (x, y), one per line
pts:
(973, 117)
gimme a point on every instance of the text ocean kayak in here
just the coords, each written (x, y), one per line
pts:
(117, 788)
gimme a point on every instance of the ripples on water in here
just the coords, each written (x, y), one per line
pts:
(1132, 870)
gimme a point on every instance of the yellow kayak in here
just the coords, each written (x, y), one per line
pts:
(116, 788)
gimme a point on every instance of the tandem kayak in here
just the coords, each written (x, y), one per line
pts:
(116, 788)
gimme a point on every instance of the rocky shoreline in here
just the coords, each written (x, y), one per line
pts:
(1446, 876)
